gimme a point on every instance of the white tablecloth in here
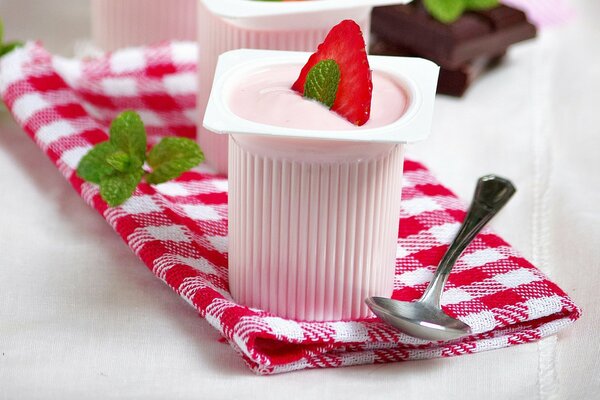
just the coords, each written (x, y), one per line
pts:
(112, 330)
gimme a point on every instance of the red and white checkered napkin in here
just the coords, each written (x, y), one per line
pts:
(179, 228)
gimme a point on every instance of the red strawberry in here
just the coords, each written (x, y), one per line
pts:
(346, 46)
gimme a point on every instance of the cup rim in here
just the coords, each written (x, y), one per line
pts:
(254, 9)
(417, 76)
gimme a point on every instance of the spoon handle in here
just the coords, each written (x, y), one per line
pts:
(492, 193)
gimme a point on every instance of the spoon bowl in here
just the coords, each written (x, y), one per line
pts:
(418, 319)
(425, 318)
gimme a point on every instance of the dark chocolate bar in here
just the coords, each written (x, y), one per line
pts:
(475, 35)
(452, 82)
(455, 82)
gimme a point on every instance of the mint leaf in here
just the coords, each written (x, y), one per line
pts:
(446, 11)
(115, 189)
(322, 82)
(127, 133)
(172, 157)
(94, 166)
(481, 4)
(119, 160)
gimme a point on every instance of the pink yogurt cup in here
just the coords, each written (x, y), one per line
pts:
(125, 23)
(313, 215)
(246, 24)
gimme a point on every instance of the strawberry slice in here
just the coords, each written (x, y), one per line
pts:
(345, 45)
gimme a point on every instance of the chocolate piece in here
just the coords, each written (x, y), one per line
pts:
(473, 36)
(452, 82)
(455, 82)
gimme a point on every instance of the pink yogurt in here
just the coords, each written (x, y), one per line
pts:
(313, 223)
(265, 96)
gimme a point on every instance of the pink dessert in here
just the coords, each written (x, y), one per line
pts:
(313, 223)
(315, 171)
(265, 96)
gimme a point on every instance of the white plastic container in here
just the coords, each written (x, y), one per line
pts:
(313, 215)
(125, 23)
(235, 24)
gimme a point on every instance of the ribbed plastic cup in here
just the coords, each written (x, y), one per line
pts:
(301, 31)
(124, 23)
(313, 224)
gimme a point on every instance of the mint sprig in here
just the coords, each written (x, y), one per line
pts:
(117, 165)
(6, 48)
(322, 82)
(448, 11)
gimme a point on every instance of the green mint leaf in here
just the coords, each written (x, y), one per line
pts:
(127, 133)
(322, 82)
(117, 164)
(446, 11)
(115, 189)
(119, 160)
(481, 4)
(94, 166)
(172, 157)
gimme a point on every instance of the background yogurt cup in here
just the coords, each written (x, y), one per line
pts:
(235, 24)
(124, 23)
(313, 215)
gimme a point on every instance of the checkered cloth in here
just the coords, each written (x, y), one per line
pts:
(179, 229)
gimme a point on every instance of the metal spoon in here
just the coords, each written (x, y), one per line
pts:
(425, 318)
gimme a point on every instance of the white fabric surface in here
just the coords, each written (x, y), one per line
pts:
(112, 330)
